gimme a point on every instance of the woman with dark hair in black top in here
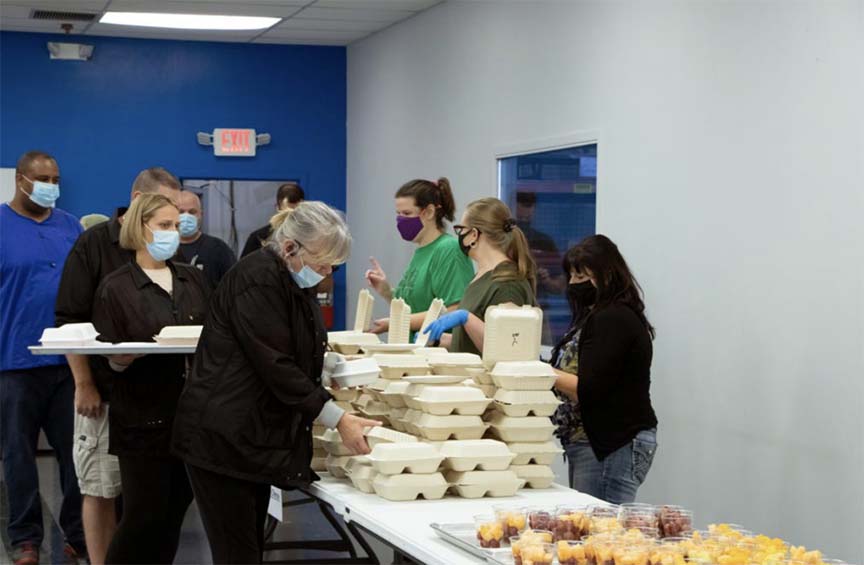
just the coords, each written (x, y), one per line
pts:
(606, 424)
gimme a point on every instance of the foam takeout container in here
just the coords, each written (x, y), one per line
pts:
(70, 335)
(447, 400)
(398, 458)
(512, 333)
(527, 429)
(535, 476)
(475, 454)
(454, 363)
(358, 372)
(398, 366)
(361, 473)
(179, 335)
(378, 435)
(524, 375)
(440, 428)
(409, 487)
(543, 453)
(521, 403)
(477, 484)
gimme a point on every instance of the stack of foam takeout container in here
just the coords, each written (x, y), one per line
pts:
(521, 388)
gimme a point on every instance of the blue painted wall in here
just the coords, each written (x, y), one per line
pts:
(139, 103)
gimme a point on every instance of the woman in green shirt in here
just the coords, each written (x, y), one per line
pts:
(506, 273)
(438, 268)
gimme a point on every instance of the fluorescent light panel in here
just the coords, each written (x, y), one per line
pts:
(187, 21)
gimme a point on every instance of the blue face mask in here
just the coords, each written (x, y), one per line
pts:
(188, 225)
(164, 244)
(45, 194)
(306, 277)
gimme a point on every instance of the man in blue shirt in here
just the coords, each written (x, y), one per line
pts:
(36, 392)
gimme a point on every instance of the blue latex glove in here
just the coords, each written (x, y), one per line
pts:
(446, 322)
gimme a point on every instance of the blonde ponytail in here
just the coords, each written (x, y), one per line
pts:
(492, 217)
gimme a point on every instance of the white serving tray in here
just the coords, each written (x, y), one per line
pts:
(474, 454)
(409, 487)
(128, 348)
(542, 453)
(390, 348)
(535, 476)
(521, 403)
(398, 458)
(529, 429)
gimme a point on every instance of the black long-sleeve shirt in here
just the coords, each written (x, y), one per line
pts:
(615, 354)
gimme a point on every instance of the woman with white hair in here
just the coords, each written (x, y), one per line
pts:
(245, 417)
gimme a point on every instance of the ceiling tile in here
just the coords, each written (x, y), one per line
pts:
(10, 24)
(333, 25)
(191, 7)
(70, 6)
(413, 5)
(387, 16)
(283, 41)
(315, 34)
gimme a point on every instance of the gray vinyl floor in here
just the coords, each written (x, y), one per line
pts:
(301, 523)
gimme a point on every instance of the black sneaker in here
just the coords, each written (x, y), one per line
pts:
(26, 553)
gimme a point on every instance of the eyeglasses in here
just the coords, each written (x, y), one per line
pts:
(460, 230)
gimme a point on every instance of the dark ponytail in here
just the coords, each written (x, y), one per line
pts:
(425, 192)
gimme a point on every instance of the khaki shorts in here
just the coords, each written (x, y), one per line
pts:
(98, 471)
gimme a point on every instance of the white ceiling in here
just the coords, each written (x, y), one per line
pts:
(311, 22)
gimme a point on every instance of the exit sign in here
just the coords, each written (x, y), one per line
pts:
(233, 142)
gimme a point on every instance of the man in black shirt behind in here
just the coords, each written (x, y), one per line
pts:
(205, 252)
(289, 195)
(95, 255)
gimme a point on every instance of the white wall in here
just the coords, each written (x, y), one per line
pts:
(731, 176)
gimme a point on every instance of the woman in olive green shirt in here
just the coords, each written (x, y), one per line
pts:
(506, 273)
(438, 268)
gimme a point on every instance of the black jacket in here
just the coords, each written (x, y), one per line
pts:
(96, 254)
(256, 240)
(128, 306)
(615, 354)
(249, 403)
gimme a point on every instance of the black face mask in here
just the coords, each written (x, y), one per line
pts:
(466, 248)
(582, 294)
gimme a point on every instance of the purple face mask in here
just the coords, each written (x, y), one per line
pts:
(409, 227)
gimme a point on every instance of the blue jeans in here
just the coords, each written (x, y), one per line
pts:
(30, 399)
(617, 478)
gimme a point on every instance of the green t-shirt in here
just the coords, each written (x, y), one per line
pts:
(486, 292)
(438, 270)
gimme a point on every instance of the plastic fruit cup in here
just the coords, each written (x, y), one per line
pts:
(571, 523)
(632, 516)
(529, 552)
(571, 553)
(675, 521)
(634, 554)
(513, 519)
(540, 518)
(490, 533)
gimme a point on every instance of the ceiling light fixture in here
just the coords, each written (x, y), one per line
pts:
(187, 21)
